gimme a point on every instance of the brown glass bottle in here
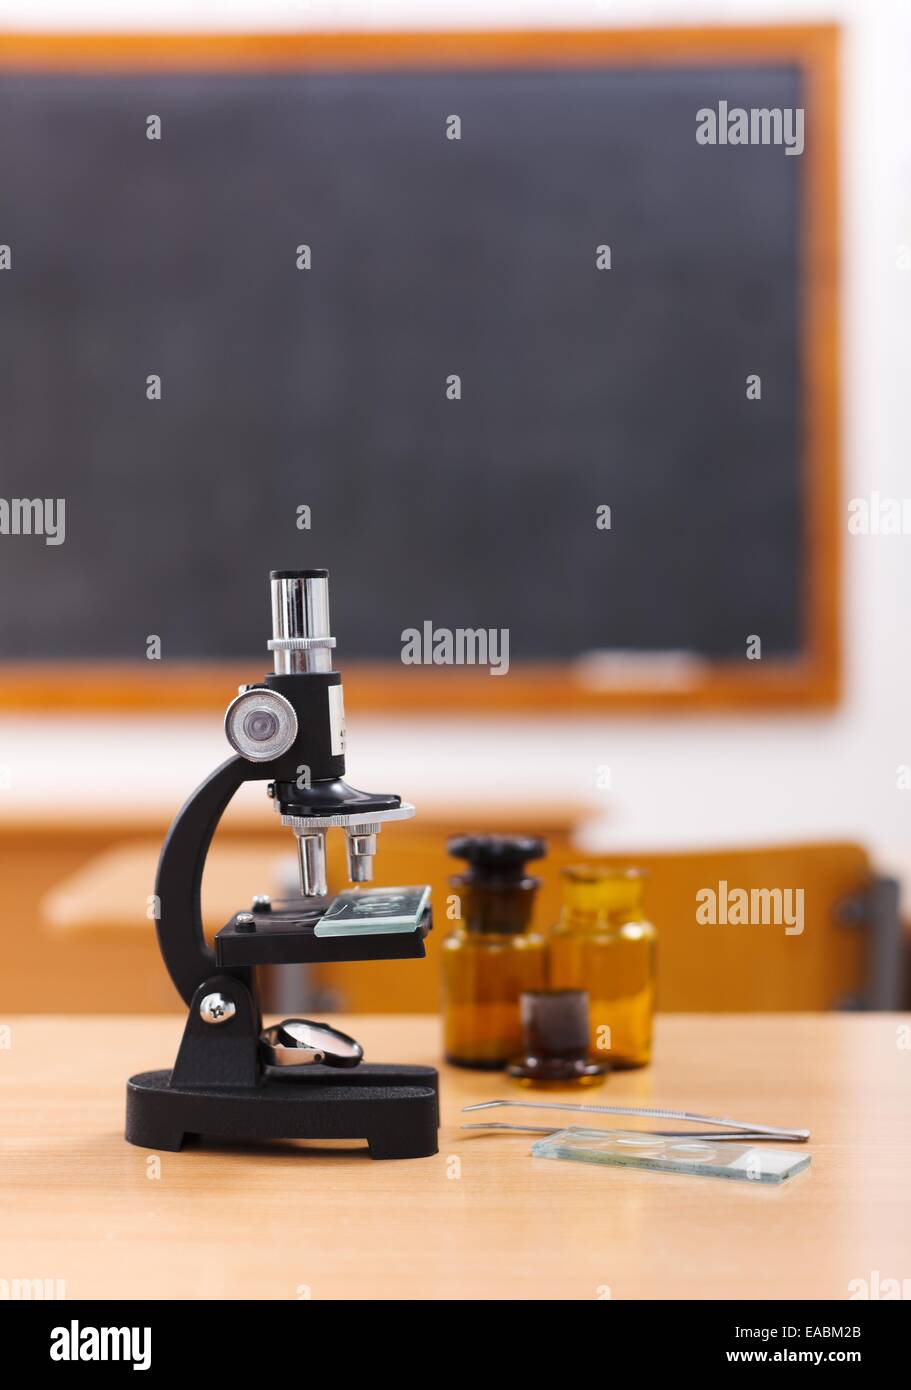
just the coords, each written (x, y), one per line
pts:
(492, 956)
(603, 944)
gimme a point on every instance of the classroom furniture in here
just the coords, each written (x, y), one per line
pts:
(323, 398)
(481, 1219)
(77, 888)
(849, 953)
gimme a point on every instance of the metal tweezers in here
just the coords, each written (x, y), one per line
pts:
(733, 1129)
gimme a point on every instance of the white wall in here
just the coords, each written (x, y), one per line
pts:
(675, 782)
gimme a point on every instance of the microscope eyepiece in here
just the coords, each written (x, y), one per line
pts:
(298, 574)
(302, 640)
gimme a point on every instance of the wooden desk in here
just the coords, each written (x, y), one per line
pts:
(76, 1202)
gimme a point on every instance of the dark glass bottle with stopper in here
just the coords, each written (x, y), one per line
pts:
(493, 956)
(555, 1034)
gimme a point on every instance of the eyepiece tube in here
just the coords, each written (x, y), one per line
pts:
(301, 637)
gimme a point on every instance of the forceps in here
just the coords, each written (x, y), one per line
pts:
(733, 1129)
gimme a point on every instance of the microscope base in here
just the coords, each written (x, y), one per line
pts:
(395, 1108)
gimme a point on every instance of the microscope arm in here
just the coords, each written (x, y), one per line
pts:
(177, 886)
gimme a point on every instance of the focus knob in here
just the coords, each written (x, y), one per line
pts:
(260, 724)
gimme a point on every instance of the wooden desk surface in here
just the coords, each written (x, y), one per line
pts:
(76, 1202)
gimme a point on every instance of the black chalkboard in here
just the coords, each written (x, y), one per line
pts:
(327, 387)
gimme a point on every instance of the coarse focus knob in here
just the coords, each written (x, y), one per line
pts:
(260, 724)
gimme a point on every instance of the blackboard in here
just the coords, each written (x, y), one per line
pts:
(327, 387)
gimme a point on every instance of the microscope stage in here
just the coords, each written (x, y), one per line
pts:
(285, 935)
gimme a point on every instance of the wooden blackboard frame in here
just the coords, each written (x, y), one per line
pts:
(813, 679)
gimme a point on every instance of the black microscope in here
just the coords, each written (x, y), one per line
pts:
(233, 1078)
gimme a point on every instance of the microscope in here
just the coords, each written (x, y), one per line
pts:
(299, 1079)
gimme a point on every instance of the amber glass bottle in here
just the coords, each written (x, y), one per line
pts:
(603, 944)
(492, 956)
